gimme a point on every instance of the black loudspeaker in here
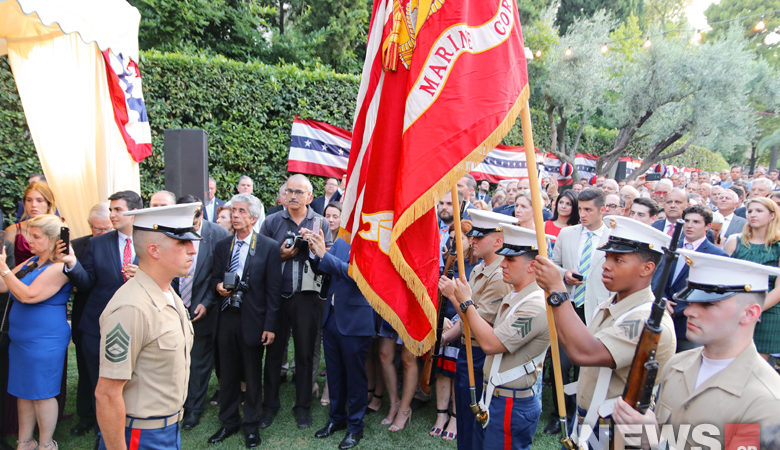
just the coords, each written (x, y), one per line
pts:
(187, 162)
(620, 174)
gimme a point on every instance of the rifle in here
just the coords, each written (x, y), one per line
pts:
(644, 368)
(433, 354)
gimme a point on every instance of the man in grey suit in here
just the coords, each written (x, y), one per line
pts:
(198, 296)
(732, 223)
(575, 252)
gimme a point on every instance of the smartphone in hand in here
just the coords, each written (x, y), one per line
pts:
(65, 237)
(577, 276)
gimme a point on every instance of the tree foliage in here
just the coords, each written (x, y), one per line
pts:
(570, 11)
(751, 12)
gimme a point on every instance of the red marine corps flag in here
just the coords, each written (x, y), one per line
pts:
(443, 82)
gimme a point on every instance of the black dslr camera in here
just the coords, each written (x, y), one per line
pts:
(238, 288)
(297, 241)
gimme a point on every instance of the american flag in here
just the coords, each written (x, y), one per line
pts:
(318, 148)
(124, 86)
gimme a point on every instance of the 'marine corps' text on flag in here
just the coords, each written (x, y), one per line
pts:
(443, 82)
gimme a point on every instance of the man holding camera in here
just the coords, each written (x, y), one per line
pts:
(300, 307)
(247, 278)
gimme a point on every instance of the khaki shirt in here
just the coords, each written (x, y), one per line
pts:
(488, 289)
(620, 340)
(144, 340)
(524, 334)
(747, 391)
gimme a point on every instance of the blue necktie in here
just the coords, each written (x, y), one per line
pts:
(584, 268)
(234, 260)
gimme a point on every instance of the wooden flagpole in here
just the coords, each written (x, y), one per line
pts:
(536, 202)
(480, 415)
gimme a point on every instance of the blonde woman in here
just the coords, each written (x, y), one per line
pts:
(760, 243)
(38, 331)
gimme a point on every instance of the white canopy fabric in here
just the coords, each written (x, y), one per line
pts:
(109, 23)
(63, 87)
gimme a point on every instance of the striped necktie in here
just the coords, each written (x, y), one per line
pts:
(584, 269)
(236, 257)
(185, 287)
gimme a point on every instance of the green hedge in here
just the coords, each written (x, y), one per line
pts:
(247, 110)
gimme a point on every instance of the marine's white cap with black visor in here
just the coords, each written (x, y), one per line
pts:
(174, 221)
(627, 235)
(518, 240)
(486, 222)
(712, 278)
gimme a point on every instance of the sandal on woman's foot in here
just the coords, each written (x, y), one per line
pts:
(437, 427)
(401, 413)
(369, 409)
(29, 444)
(449, 434)
(391, 414)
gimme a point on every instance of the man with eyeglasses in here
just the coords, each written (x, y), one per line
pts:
(332, 194)
(300, 306)
(99, 223)
(661, 190)
(613, 205)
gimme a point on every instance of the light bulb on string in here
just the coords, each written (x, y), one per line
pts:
(568, 52)
(760, 25)
(538, 53)
(647, 44)
(604, 49)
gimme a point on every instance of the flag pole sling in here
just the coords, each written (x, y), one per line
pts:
(541, 242)
(480, 415)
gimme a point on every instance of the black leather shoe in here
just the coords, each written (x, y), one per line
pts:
(266, 420)
(190, 422)
(303, 418)
(222, 434)
(350, 440)
(328, 430)
(82, 428)
(252, 440)
(553, 426)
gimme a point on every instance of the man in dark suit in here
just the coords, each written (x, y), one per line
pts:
(482, 193)
(247, 317)
(697, 220)
(281, 198)
(675, 203)
(213, 204)
(198, 296)
(99, 223)
(109, 260)
(332, 194)
(348, 326)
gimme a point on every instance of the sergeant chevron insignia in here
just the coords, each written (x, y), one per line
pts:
(117, 344)
(523, 325)
(631, 327)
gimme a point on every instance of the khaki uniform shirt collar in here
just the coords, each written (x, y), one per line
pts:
(639, 297)
(526, 291)
(494, 265)
(735, 384)
(150, 286)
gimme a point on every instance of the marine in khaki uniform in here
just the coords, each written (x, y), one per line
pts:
(488, 288)
(146, 337)
(724, 382)
(605, 348)
(515, 344)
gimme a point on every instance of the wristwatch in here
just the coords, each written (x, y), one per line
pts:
(557, 298)
(465, 305)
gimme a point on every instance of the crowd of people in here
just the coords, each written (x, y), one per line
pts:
(250, 280)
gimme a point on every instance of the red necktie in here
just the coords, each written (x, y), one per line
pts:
(671, 229)
(126, 256)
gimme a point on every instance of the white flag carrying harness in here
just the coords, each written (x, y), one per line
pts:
(496, 378)
(599, 405)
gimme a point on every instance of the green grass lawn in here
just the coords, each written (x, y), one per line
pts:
(284, 433)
